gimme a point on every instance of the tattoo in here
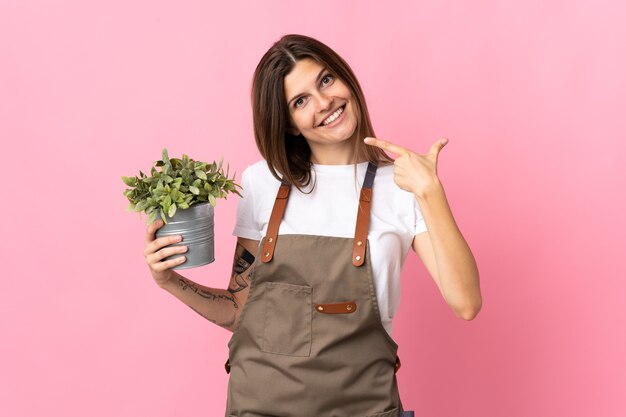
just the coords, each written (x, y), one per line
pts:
(241, 279)
(184, 284)
(241, 263)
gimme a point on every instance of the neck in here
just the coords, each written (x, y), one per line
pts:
(334, 154)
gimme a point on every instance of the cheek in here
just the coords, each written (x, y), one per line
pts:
(296, 121)
(303, 119)
(353, 111)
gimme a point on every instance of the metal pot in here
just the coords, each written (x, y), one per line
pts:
(195, 224)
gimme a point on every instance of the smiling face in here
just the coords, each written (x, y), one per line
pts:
(321, 107)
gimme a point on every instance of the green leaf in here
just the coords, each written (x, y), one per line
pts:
(141, 206)
(172, 210)
(212, 200)
(151, 217)
(176, 163)
(167, 202)
(194, 190)
(130, 181)
(174, 194)
(201, 174)
(163, 217)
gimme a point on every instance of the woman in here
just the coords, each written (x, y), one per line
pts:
(314, 338)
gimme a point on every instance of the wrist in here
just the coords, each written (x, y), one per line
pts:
(433, 188)
(170, 283)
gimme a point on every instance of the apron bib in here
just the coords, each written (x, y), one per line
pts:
(310, 341)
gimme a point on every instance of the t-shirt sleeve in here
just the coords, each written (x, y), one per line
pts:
(246, 225)
(420, 223)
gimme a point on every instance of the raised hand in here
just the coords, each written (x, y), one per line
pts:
(413, 172)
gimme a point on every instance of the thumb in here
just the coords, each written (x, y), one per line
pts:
(437, 147)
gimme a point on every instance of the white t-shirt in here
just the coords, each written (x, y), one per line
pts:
(331, 209)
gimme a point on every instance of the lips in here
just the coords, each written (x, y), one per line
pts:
(343, 106)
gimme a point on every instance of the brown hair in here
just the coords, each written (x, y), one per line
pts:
(284, 152)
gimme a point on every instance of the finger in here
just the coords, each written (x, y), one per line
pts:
(437, 147)
(388, 146)
(151, 231)
(162, 266)
(165, 252)
(157, 244)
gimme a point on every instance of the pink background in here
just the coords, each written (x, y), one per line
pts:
(531, 94)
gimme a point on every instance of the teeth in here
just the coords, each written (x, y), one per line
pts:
(333, 116)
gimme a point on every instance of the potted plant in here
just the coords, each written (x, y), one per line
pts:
(182, 193)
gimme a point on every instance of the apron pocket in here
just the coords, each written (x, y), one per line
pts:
(288, 316)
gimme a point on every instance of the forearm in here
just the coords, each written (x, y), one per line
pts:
(216, 305)
(456, 267)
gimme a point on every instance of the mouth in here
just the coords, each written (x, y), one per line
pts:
(333, 116)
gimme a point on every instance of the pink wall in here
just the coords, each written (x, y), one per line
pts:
(531, 94)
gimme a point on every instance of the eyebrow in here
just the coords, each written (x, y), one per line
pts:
(317, 79)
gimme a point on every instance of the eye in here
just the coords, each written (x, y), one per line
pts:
(327, 77)
(298, 102)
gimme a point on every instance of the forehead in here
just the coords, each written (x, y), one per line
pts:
(301, 77)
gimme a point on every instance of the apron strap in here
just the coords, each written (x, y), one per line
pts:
(363, 217)
(269, 242)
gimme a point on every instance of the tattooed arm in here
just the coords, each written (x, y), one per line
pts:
(219, 306)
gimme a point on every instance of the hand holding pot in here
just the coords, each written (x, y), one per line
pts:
(155, 251)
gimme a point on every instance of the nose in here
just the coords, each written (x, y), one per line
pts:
(324, 102)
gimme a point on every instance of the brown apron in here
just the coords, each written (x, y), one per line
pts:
(310, 341)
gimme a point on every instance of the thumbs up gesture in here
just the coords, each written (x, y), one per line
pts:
(413, 172)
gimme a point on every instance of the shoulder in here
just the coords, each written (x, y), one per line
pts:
(258, 173)
(387, 188)
(384, 178)
(384, 170)
(258, 178)
(257, 168)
